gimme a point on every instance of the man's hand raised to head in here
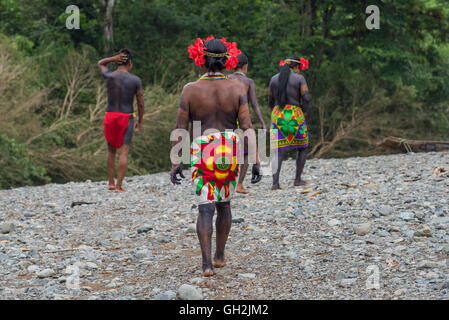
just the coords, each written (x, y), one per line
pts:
(176, 169)
(120, 58)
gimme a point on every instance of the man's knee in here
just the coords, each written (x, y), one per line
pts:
(111, 149)
(222, 206)
(207, 208)
(124, 149)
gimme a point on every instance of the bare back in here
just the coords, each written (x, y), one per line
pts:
(216, 103)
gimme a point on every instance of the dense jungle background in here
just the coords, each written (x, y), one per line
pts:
(364, 84)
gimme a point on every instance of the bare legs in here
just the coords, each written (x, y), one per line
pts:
(278, 160)
(122, 166)
(223, 226)
(301, 156)
(111, 166)
(204, 231)
(242, 174)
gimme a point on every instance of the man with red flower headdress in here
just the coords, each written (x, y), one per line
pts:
(289, 100)
(216, 102)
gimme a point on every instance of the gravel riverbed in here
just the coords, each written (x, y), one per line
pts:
(364, 228)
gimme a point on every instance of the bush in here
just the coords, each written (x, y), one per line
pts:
(17, 168)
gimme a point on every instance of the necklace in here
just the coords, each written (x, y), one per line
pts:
(240, 73)
(213, 76)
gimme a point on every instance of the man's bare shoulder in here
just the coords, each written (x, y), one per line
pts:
(237, 84)
(190, 86)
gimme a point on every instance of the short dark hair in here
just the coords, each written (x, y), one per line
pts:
(243, 59)
(215, 63)
(129, 56)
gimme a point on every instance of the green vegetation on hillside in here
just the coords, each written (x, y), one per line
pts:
(365, 84)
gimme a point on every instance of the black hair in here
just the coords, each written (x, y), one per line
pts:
(129, 56)
(243, 59)
(215, 64)
(284, 74)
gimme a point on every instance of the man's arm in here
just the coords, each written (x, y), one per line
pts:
(182, 122)
(253, 100)
(103, 63)
(140, 108)
(271, 100)
(304, 95)
(245, 124)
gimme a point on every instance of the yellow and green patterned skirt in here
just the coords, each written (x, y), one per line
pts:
(288, 128)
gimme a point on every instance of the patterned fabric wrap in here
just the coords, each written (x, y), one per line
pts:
(288, 128)
(214, 160)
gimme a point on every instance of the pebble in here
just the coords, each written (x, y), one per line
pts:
(247, 276)
(46, 273)
(144, 229)
(7, 227)
(167, 295)
(191, 228)
(362, 229)
(334, 222)
(189, 292)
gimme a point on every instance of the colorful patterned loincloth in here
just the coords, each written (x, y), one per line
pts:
(288, 128)
(214, 160)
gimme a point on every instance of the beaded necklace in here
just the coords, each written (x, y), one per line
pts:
(213, 76)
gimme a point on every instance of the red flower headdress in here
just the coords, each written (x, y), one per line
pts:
(303, 63)
(197, 52)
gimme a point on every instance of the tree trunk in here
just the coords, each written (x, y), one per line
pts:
(414, 145)
(107, 7)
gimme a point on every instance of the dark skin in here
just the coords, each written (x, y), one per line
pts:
(252, 99)
(217, 104)
(294, 98)
(124, 149)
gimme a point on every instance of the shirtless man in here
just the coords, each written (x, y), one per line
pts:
(240, 74)
(289, 100)
(217, 102)
(119, 119)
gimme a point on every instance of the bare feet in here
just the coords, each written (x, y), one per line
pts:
(209, 273)
(111, 187)
(119, 189)
(219, 263)
(300, 183)
(241, 189)
(276, 187)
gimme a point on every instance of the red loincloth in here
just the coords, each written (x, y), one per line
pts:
(115, 125)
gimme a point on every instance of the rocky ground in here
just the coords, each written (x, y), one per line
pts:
(365, 228)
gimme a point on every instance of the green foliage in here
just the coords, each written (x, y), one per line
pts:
(17, 168)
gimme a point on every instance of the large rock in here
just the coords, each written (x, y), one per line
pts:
(189, 292)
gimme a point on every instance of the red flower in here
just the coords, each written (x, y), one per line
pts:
(209, 38)
(196, 52)
(281, 63)
(304, 64)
